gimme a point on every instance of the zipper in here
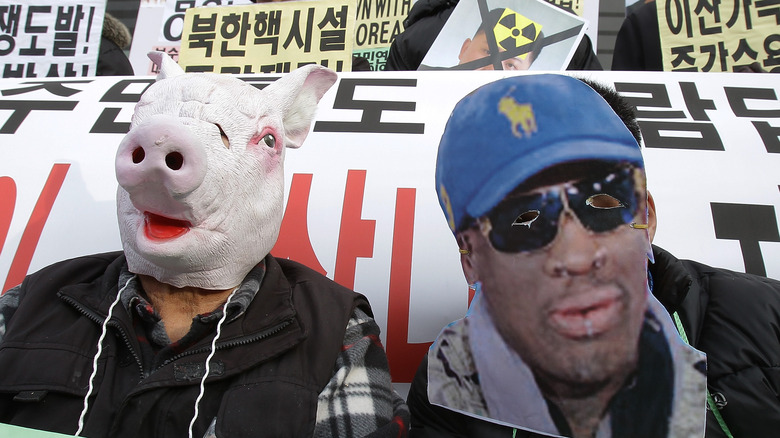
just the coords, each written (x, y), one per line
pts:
(99, 319)
(234, 343)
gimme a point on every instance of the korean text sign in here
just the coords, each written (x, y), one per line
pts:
(50, 38)
(719, 35)
(361, 206)
(268, 37)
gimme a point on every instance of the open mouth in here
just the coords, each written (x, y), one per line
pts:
(587, 320)
(158, 227)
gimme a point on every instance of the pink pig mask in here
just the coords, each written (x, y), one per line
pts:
(201, 178)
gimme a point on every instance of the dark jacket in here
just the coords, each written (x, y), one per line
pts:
(425, 21)
(731, 316)
(735, 318)
(638, 42)
(112, 60)
(268, 370)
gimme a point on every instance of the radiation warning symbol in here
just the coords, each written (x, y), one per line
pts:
(514, 30)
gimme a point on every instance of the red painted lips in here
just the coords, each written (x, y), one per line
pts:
(162, 228)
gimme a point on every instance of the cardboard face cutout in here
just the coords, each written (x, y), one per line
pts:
(200, 172)
(563, 336)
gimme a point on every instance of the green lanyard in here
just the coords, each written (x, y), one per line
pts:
(710, 401)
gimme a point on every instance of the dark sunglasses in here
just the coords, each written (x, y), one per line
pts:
(530, 221)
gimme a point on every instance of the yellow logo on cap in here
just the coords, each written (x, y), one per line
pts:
(445, 198)
(519, 115)
(514, 30)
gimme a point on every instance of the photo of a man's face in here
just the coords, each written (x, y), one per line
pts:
(505, 35)
(572, 307)
(477, 48)
(554, 223)
(508, 31)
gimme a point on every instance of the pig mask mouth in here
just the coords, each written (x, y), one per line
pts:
(158, 227)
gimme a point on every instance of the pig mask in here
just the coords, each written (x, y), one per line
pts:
(201, 183)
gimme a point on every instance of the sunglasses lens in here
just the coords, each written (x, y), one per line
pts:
(605, 204)
(528, 223)
(525, 224)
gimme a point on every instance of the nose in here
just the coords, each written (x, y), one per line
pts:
(161, 153)
(575, 251)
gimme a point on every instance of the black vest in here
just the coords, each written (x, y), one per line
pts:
(270, 364)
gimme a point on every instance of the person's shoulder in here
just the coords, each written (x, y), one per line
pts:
(298, 273)
(453, 379)
(80, 269)
(423, 9)
(710, 276)
(313, 285)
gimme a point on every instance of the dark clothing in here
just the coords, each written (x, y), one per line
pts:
(629, 412)
(425, 21)
(112, 61)
(270, 365)
(638, 42)
(733, 317)
(114, 38)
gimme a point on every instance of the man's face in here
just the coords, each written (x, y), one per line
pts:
(572, 308)
(477, 48)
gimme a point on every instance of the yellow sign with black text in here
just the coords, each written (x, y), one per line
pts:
(725, 35)
(269, 37)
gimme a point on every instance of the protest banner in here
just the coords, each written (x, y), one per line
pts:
(50, 38)
(505, 34)
(378, 23)
(268, 37)
(361, 205)
(158, 27)
(719, 36)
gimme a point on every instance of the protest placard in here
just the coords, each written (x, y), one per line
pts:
(378, 23)
(158, 27)
(50, 38)
(269, 37)
(719, 36)
(505, 35)
(361, 205)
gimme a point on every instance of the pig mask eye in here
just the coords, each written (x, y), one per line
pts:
(269, 140)
(224, 136)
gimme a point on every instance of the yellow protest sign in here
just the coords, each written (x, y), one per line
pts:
(269, 37)
(719, 35)
(378, 23)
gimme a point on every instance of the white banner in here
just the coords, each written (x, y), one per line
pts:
(49, 38)
(361, 204)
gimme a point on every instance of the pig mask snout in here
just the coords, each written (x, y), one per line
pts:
(160, 158)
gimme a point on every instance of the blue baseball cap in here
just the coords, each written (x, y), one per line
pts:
(508, 131)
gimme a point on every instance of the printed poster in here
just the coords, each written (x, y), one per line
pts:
(720, 35)
(269, 37)
(506, 35)
(544, 190)
(50, 38)
(378, 23)
(159, 26)
(361, 205)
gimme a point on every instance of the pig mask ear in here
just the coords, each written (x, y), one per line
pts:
(297, 94)
(168, 67)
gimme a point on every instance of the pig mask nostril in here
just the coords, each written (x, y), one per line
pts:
(138, 155)
(174, 160)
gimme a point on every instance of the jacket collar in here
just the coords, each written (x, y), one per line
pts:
(270, 318)
(671, 282)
